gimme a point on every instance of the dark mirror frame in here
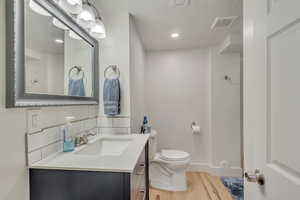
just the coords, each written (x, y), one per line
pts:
(15, 59)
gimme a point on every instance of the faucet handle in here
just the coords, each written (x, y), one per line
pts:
(91, 133)
(80, 140)
(85, 138)
(77, 140)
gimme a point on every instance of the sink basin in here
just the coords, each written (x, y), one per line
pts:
(106, 147)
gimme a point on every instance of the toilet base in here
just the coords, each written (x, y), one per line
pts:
(166, 180)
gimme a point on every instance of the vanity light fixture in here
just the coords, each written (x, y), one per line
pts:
(85, 13)
(87, 16)
(74, 35)
(175, 35)
(37, 8)
(74, 2)
(59, 24)
(98, 29)
(71, 6)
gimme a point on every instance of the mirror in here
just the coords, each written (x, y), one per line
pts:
(56, 65)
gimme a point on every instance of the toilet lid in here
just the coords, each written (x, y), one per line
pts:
(174, 155)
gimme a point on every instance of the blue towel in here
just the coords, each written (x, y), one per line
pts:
(76, 88)
(111, 96)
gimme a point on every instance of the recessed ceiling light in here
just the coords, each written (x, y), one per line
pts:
(179, 3)
(59, 41)
(175, 35)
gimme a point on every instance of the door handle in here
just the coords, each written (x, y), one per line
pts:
(257, 177)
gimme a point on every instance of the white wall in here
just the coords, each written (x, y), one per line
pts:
(225, 110)
(13, 171)
(176, 94)
(137, 67)
(78, 53)
(36, 70)
(182, 86)
(48, 70)
(114, 49)
(55, 74)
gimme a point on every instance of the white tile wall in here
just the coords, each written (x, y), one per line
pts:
(51, 135)
(34, 156)
(121, 122)
(44, 128)
(105, 122)
(48, 117)
(40, 139)
(51, 149)
(114, 131)
(78, 127)
(93, 111)
(34, 141)
(33, 121)
(90, 124)
(114, 125)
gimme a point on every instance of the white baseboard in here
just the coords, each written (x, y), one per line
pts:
(215, 170)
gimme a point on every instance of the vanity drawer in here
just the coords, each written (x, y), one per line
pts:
(138, 179)
(141, 195)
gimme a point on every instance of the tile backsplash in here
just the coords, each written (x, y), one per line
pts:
(43, 128)
(116, 125)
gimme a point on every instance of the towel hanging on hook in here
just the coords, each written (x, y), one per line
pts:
(79, 69)
(115, 70)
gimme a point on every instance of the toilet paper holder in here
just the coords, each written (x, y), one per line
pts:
(193, 124)
(195, 128)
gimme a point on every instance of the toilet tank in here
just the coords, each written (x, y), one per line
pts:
(152, 144)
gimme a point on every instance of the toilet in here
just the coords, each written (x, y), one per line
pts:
(168, 167)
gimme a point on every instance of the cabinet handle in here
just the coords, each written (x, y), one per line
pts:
(141, 195)
(141, 169)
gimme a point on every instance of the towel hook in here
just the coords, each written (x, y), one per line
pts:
(79, 69)
(114, 68)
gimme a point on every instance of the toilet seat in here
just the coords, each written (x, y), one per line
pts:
(174, 155)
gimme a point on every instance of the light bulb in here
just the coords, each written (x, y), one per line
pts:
(98, 29)
(73, 2)
(87, 17)
(38, 9)
(71, 6)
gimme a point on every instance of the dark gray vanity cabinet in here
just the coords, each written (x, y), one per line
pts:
(48, 184)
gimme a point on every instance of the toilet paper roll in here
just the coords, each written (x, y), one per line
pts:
(196, 129)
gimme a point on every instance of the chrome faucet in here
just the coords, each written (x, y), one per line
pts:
(91, 133)
(81, 140)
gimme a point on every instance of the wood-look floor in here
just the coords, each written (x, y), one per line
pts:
(201, 186)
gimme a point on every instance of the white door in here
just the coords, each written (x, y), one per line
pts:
(272, 98)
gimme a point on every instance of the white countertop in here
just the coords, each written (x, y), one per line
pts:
(120, 163)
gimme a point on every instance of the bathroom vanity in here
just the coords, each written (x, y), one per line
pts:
(107, 168)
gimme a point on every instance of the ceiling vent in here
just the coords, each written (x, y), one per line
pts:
(179, 3)
(223, 22)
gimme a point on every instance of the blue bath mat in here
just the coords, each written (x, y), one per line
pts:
(235, 186)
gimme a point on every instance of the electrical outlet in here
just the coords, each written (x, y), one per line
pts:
(33, 121)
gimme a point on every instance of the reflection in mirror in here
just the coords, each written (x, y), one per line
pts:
(57, 61)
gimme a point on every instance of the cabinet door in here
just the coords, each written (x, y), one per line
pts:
(77, 185)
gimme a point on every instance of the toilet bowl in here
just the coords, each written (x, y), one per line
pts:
(168, 167)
